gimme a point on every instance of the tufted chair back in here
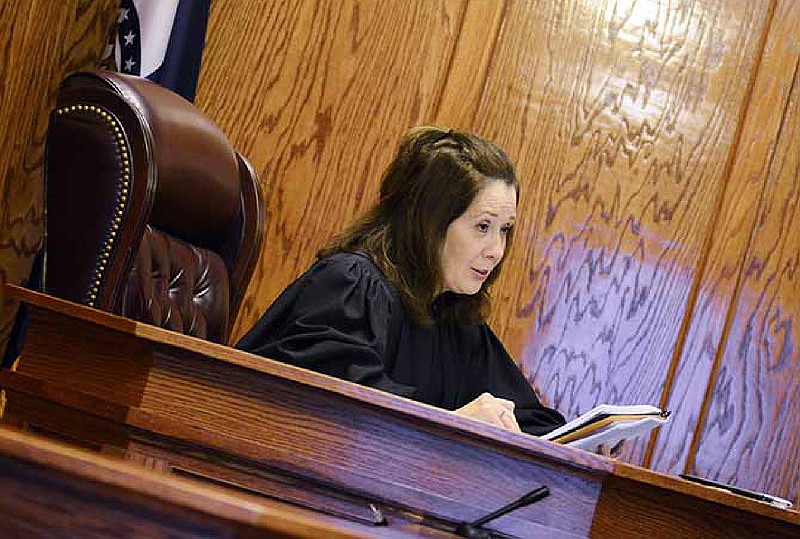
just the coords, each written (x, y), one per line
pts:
(150, 213)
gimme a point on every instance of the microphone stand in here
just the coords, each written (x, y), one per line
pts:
(472, 530)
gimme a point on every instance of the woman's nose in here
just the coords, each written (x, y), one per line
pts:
(494, 250)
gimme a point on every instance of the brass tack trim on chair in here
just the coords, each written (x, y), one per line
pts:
(122, 193)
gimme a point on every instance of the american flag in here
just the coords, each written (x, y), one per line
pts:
(163, 40)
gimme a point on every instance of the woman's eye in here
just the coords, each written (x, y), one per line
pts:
(482, 227)
(506, 230)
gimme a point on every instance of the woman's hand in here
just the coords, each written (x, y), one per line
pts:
(611, 452)
(492, 410)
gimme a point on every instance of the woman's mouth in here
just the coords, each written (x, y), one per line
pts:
(480, 274)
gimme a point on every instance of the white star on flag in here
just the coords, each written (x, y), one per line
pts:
(161, 40)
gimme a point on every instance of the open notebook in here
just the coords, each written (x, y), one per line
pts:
(608, 424)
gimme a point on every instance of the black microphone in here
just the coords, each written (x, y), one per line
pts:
(472, 529)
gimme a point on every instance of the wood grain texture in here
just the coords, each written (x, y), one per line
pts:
(714, 304)
(621, 118)
(35, 57)
(113, 352)
(473, 55)
(317, 96)
(348, 444)
(203, 404)
(110, 326)
(92, 496)
(751, 433)
(250, 465)
(414, 458)
(626, 511)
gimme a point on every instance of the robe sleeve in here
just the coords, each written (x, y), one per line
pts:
(337, 320)
(505, 380)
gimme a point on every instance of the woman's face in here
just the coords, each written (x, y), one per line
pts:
(475, 242)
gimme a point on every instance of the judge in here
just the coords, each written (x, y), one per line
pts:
(398, 300)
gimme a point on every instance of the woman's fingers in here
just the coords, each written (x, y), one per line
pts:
(609, 451)
(507, 404)
(616, 451)
(490, 409)
(507, 419)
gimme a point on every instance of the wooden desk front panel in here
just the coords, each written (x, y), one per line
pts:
(48, 490)
(336, 507)
(38, 502)
(317, 433)
(277, 423)
(215, 411)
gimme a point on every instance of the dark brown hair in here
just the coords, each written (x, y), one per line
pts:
(432, 180)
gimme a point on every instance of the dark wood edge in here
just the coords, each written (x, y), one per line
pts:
(186, 493)
(15, 381)
(442, 419)
(635, 474)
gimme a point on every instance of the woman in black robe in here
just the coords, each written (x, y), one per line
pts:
(397, 301)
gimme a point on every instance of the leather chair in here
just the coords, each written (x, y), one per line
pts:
(150, 213)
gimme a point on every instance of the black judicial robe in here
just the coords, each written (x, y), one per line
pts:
(343, 318)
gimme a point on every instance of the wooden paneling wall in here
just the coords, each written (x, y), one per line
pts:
(621, 117)
(317, 96)
(40, 42)
(657, 145)
(718, 304)
(749, 427)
